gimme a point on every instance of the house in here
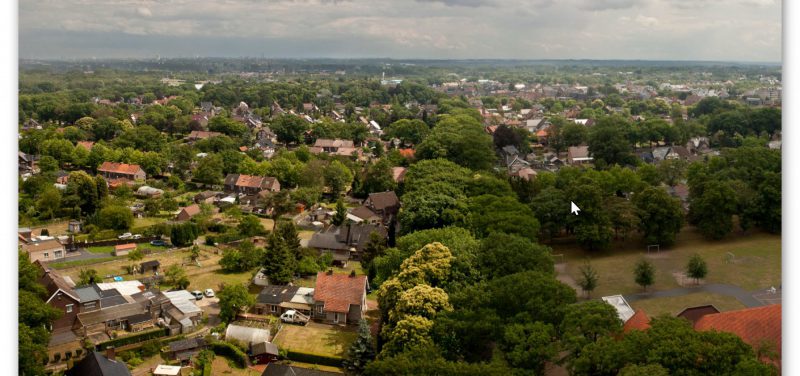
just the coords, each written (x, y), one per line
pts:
(578, 155)
(249, 184)
(694, 314)
(26, 163)
(386, 204)
(201, 135)
(149, 267)
(124, 249)
(274, 369)
(344, 242)
(754, 326)
(95, 364)
(167, 370)
(335, 147)
(127, 316)
(184, 349)
(264, 352)
(88, 145)
(526, 174)
(208, 197)
(277, 299)
(366, 215)
(340, 298)
(624, 310)
(639, 321)
(114, 170)
(45, 250)
(186, 213)
(61, 296)
(75, 226)
(398, 174)
(516, 164)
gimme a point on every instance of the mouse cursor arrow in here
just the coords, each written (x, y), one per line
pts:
(574, 208)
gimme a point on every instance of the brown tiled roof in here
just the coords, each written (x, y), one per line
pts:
(363, 212)
(398, 174)
(88, 145)
(192, 210)
(753, 325)
(639, 321)
(119, 168)
(123, 247)
(46, 244)
(52, 281)
(249, 181)
(694, 314)
(339, 291)
(337, 143)
(383, 200)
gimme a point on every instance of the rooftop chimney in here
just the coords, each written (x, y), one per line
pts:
(111, 354)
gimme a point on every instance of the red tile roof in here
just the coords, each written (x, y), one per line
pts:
(639, 321)
(192, 210)
(753, 325)
(339, 291)
(249, 181)
(123, 247)
(406, 153)
(88, 145)
(120, 168)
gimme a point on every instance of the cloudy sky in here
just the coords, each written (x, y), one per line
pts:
(723, 30)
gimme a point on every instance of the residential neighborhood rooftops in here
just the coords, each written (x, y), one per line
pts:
(639, 321)
(276, 294)
(119, 168)
(753, 325)
(383, 200)
(339, 291)
(96, 364)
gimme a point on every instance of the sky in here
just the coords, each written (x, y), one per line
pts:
(716, 30)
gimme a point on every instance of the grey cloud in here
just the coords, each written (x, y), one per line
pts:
(600, 5)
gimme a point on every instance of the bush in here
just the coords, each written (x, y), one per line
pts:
(230, 351)
(136, 338)
(324, 360)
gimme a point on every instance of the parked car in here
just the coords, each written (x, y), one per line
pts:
(126, 235)
(209, 293)
(294, 317)
(137, 236)
(197, 294)
(158, 243)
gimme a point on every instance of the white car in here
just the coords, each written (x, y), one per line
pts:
(126, 235)
(209, 293)
(137, 236)
(197, 294)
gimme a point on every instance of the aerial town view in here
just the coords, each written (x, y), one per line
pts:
(192, 202)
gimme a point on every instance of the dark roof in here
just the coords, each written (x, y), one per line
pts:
(151, 263)
(53, 282)
(275, 294)
(186, 344)
(383, 200)
(140, 318)
(95, 364)
(274, 369)
(87, 293)
(694, 314)
(346, 236)
(117, 312)
(264, 348)
(363, 212)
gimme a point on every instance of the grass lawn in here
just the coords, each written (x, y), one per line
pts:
(758, 262)
(222, 366)
(78, 263)
(118, 264)
(147, 221)
(316, 338)
(213, 279)
(104, 249)
(674, 305)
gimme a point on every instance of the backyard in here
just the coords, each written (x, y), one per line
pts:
(316, 338)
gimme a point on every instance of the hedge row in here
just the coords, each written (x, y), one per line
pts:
(136, 338)
(229, 351)
(325, 360)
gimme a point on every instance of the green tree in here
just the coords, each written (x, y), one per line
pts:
(361, 352)
(574, 134)
(183, 234)
(116, 217)
(280, 263)
(644, 274)
(696, 268)
(375, 247)
(661, 216)
(713, 208)
(489, 213)
(209, 169)
(233, 299)
(410, 132)
(502, 254)
(644, 370)
(588, 280)
(133, 257)
(250, 225)
(608, 144)
(337, 177)
(49, 203)
(289, 128)
(586, 323)
(176, 276)
(341, 213)
(460, 139)
(529, 345)
(88, 276)
(288, 232)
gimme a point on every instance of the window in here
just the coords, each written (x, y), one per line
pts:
(46, 255)
(69, 307)
(273, 308)
(57, 254)
(319, 309)
(89, 305)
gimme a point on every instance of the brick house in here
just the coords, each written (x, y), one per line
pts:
(386, 204)
(249, 184)
(46, 250)
(114, 170)
(340, 298)
(188, 212)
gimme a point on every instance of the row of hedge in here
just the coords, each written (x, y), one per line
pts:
(230, 351)
(136, 338)
(325, 360)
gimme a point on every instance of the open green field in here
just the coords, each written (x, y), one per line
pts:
(116, 265)
(674, 305)
(757, 262)
(212, 280)
(108, 249)
(332, 340)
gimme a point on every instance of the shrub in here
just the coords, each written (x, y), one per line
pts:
(304, 357)
(136, 338)
(230, 351)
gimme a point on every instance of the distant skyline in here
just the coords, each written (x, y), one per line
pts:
(698, 30)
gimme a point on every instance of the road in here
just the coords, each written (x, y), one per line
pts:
(745, 297)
